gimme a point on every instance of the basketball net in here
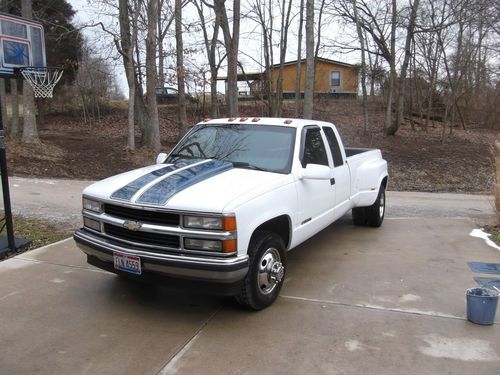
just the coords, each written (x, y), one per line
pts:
(42, 79)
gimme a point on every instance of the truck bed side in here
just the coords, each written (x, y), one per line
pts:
(368, 170)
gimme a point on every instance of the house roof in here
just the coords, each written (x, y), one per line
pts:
(318, 59)
(260, 75)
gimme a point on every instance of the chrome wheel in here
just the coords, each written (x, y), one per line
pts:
(382, 204)
(270, 272)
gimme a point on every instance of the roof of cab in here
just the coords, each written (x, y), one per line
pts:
(276, 121)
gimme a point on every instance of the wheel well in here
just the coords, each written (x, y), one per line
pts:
(384, 182)
(279, 225)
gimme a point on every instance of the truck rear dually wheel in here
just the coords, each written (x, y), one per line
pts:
(266, 272)
(372, 215)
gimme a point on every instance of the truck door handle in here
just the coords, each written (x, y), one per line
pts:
(332, 181)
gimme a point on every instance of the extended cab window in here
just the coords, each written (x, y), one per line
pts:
(314, 148)
(334, 146)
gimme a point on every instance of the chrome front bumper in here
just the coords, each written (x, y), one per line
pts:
(217, 270)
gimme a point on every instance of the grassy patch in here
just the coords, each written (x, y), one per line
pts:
(38, 232)
(495, 233)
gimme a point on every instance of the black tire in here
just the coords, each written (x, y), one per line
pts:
(266, 252)
(359, 215)
(376, 212)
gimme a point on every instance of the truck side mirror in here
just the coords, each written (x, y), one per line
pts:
(160, 159)
(316, 172)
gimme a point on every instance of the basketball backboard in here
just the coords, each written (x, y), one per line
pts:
(22, 44)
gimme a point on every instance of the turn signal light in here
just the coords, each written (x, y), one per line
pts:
(229, 223)
(229, 246)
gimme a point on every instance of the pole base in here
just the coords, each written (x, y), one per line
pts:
(4, 246)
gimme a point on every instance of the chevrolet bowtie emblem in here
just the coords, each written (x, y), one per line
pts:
(132, 225)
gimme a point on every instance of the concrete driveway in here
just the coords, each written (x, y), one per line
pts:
(356, 300)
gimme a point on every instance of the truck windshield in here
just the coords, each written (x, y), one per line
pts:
(260, 147)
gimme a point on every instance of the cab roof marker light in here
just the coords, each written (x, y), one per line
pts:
(243, 118)
(288, 121)
(255, 119)
(206, 119)
(231, 119)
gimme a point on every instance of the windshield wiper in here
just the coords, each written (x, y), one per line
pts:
(242, 164)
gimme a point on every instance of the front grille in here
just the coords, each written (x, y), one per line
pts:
(146, 238)
(144, 216)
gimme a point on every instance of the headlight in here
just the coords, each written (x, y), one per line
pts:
(207, 245)
(203, 222)
(227, 223)
(91, 205)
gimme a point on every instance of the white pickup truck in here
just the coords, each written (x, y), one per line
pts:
(224, 207)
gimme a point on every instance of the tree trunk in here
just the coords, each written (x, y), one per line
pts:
(182, 117)
(127, 48)
(3, 102)
(152, 131)
(14, 102)
(285, 23)
(232, 44)
(30, 131)
(363, 68)
(161, 69)
(404, 68)
(298, 73)
(392, 66)
(320, 18)
(309, 84)
(497, 186)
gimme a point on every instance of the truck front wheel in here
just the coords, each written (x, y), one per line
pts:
(266, 273)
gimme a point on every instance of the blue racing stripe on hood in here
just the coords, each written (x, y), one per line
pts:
(161, 192)
(127, 192)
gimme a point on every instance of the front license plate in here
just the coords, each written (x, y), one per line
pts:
(127, 263)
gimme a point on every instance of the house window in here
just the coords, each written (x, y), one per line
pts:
(335, 79)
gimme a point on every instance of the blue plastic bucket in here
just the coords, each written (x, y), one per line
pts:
(481, 305)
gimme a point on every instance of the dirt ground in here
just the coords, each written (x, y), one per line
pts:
(418, 160)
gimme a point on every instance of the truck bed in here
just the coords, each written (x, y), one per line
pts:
(351, 151)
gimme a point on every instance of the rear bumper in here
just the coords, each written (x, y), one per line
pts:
(212, 270)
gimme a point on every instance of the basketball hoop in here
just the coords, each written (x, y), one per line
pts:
(42, 79)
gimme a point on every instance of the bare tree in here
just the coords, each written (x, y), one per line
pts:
(152, 131)
(126, 47)
(14, 103)
(285, 25)
(363, 66)
(393, 128)
(182, 117)
(309, 84)
(298, 73)
(211, 49)
(231, 41)
(30, 131)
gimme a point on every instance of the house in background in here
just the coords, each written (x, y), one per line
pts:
(331, 79)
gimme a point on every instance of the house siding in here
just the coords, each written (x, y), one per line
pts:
(348, 77)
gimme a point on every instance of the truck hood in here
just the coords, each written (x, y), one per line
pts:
(202, 186)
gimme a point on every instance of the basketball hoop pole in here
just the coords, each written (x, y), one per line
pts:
(6, 193)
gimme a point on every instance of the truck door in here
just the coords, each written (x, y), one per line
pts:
(316, 197)
(341, 172)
